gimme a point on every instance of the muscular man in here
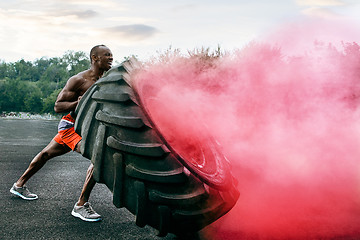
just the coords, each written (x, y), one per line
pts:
(66, 139)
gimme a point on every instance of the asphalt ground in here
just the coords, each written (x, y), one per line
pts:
(58, 185)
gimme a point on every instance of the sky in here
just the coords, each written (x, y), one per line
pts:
(31, 29)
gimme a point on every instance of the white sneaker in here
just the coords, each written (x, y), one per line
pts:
(23, 192)
(86, 213)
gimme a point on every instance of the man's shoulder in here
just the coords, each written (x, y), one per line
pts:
(80, 75)
(78, 78)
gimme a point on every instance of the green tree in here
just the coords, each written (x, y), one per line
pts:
(32, 98)
(34, 86)
(53, 78)
(42, 64)
(75, 62)
(12, 92)
(49, 102)
(26, 71)
(3, 69)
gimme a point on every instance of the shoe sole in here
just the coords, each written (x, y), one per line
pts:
(85, 219)
(22, 196)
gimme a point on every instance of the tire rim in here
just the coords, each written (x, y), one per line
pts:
(195, 149)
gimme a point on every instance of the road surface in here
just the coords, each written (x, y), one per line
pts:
(58, 185)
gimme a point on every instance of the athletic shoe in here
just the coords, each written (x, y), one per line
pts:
(23, 192)
(85, 213)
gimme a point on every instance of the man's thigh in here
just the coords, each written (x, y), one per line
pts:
(55, 149)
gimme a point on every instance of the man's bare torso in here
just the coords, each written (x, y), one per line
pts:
(75, 87)
(83, 81)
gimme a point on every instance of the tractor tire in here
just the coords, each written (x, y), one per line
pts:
(144, 173)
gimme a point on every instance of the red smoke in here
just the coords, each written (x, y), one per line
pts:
(288, 122)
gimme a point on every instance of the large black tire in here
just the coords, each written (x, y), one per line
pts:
(140, 168)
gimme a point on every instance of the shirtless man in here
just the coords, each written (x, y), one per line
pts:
(66, 139)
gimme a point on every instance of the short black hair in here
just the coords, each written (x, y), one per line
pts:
(93, 51)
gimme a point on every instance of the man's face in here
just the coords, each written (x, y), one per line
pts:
(105, 58)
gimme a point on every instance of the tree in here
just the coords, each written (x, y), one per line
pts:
(34, 86)
(48, 103)
(32, 98)
(75, 62)
(26, 71)
(12, 92)
(53, 78)
(3, 69)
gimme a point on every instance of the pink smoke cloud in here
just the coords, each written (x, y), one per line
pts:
(286, 113)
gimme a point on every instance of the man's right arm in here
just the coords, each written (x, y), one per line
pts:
(68, 98)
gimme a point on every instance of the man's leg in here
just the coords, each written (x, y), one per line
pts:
(82, 208)
(52, 150)
(89, 181)
(87, 187)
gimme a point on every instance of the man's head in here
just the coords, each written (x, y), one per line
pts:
(101, 56)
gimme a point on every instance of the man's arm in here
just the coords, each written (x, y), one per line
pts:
(69, 96)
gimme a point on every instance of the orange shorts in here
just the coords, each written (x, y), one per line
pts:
(66, 133)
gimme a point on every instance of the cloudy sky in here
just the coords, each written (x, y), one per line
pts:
(31, 29)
